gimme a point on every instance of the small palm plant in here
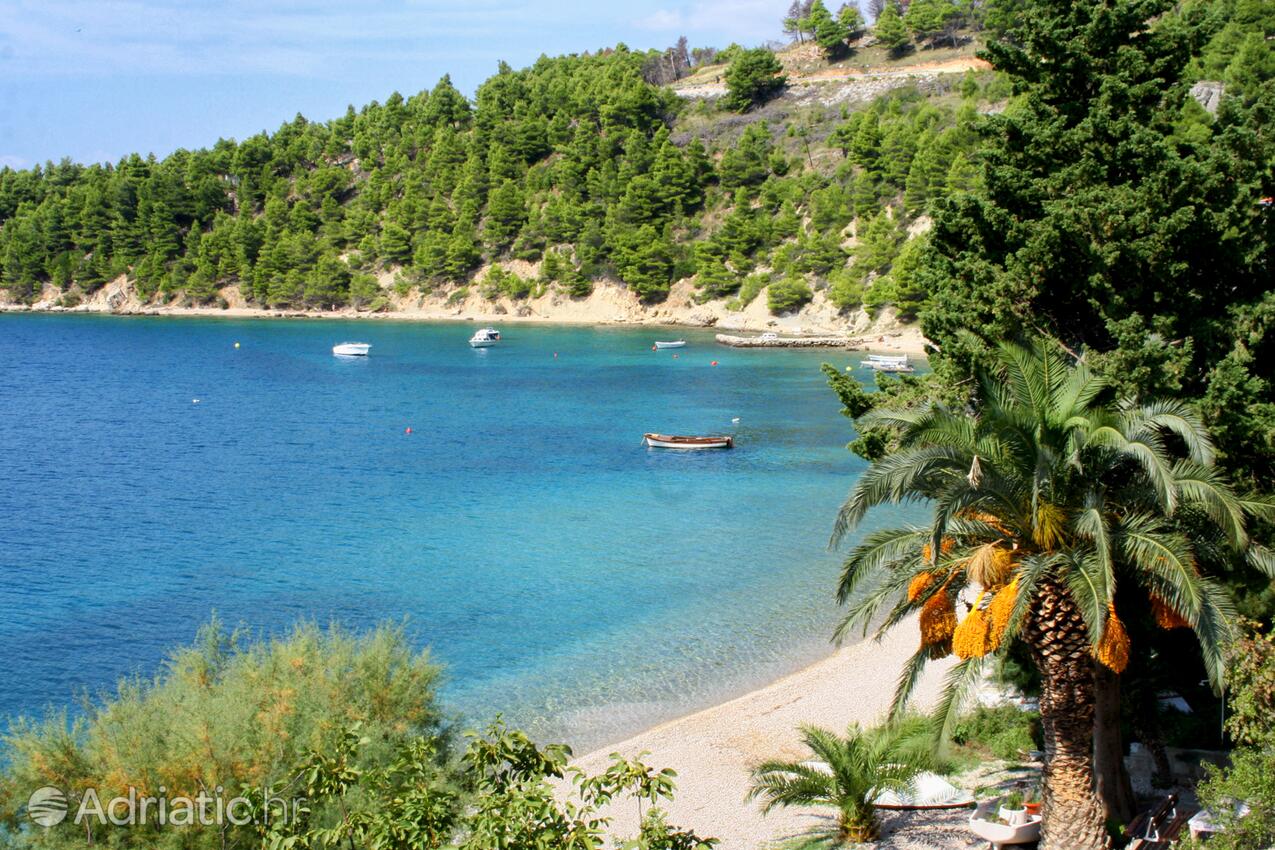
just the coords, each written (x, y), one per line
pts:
(846, 774)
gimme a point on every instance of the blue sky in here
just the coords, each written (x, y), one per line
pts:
(96, 80)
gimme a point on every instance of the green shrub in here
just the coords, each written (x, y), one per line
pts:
(233, 714)
(1000, 732)
(787, 295)
(458, 296)
(845, 289)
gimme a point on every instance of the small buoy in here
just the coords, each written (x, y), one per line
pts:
(655, 348)
(236, 345)
(714, 363)
(407, 430)
(674, 356)
(555, 355)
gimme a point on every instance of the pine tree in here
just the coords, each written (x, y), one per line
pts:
(890, 30)
(829, 32)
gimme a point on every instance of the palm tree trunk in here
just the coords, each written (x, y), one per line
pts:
(1055, 632)
(1114, 786)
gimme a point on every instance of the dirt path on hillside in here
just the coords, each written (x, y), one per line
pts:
(921, 69)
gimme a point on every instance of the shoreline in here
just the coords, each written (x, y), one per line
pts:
(904, 339)
(609, 304)
(714, 749)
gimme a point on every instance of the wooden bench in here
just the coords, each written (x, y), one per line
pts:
(1158, 827)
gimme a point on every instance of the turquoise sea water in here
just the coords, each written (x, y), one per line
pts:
(580, 583)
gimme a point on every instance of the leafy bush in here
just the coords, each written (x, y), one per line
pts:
(1251, 775)
(230, 713)
(787, 295)
(342, 730)
(1000, 732)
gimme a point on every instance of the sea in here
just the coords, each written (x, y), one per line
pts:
(498, 502)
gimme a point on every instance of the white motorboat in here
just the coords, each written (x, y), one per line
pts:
(352, 349)
(484, 338)
(668, 441)
(888, 363)
(676, 343)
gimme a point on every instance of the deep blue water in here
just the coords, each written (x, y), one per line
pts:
(564, 574)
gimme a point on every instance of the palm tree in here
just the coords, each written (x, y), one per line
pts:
(846, 774)
(1053, 506)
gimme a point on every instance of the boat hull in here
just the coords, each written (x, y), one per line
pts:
(351, 349)
(681, 343)
(667, 441)
(482, 343)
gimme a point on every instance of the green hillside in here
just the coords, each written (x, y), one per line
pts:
(579, 164)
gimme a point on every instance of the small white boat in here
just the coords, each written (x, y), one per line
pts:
(888, 363)
(676, 343)
(668, 441)
(484, 338)
(768, 337)
(351, 349)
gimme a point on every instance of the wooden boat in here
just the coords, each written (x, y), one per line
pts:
(668, 441)
(351, 349)
(676, 343)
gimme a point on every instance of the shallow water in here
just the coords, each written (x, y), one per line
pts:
(580, 583)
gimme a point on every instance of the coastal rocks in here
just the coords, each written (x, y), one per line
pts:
(783, 342)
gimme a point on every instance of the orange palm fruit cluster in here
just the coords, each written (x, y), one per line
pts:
(947, 545)
(938, 619)
(999, 611)
(1113, 650)
(1166, 617)
(970, 640)
(920, 583)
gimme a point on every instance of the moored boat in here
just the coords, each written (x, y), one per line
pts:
(670, 441)
(484, 338)
(676, 343)
(888, 363)
(351, 349)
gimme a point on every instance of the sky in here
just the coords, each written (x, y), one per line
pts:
(94, 80)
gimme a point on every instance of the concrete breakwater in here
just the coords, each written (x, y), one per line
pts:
(784, 342)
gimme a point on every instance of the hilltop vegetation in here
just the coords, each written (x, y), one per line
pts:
(581, 166)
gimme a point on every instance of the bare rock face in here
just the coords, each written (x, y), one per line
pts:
(1209, 94)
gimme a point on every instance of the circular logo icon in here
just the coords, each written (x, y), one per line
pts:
(47, 806)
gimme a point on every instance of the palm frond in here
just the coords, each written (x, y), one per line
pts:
(1215, 630)
(907, 682)
(1181, 420)
(878, 552)
(1206, 488)
(899, 477)
(958, 688)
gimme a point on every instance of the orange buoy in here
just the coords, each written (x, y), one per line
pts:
(655, 348)
(714, 363)
(407, 430)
